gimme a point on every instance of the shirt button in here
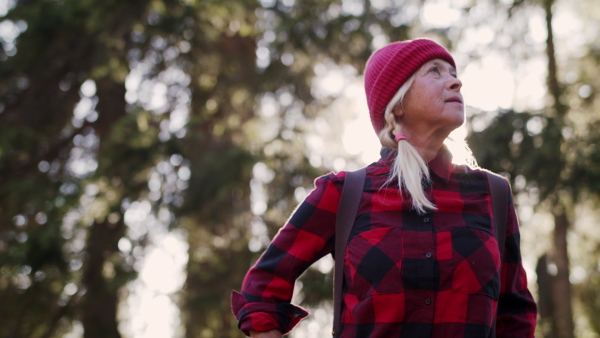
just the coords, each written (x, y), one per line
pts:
(428, 255)
(427, 301)
(426, 220)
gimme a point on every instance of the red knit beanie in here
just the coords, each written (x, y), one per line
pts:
(389, 67)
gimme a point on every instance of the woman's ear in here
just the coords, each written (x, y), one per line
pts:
(398, 111)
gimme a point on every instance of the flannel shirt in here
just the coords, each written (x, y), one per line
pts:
(405, 274)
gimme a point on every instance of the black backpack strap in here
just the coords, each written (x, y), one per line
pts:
(346, 214)
(499, 191)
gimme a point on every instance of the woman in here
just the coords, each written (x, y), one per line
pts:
(422, 259)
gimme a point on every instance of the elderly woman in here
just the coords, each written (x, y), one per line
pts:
(422, 259)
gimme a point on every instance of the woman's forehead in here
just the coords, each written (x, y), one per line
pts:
(440, 63)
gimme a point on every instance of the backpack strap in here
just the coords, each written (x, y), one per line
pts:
(499, 191)
(346, 214)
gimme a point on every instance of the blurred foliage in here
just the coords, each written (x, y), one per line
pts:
(590, 298)
(115, 115)
(61, 189)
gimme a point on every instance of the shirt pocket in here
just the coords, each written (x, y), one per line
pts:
(374, 262)
(476, 260)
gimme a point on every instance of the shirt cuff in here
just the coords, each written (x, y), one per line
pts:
(261, 317)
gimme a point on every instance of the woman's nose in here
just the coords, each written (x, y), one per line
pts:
(455, 84)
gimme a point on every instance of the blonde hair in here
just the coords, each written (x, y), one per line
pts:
(408, 167)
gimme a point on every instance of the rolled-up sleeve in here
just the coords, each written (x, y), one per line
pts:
(264, 301)
(517, 311)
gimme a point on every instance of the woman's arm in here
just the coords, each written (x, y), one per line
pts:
(517, 311)
(264, 304)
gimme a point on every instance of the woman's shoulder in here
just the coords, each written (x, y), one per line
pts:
(373, 169)
(332, 177)
(478, 173)
(330, 182)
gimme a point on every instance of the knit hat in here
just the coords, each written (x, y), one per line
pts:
(389, 67)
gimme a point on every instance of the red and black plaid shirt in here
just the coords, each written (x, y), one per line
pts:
(405, 274)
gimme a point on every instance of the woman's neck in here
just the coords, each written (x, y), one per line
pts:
(427, 145)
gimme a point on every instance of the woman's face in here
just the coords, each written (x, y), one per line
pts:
(434, 101)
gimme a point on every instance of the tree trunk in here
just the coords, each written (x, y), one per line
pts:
(561, 286)
(547, 323)
(99, 315)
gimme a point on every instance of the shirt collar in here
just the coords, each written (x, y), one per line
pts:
(441, 165)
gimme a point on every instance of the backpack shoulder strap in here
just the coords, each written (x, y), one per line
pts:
(346, 214)
(499, 194)
(499, 190)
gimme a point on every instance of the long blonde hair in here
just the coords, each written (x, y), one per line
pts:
(408, 167)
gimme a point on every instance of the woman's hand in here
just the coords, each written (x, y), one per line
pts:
(267, 334)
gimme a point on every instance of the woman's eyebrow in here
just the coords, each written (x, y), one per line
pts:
(451, 69)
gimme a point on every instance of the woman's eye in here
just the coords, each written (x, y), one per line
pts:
(435, 70)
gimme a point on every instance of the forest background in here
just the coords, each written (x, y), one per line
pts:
(149, 149)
